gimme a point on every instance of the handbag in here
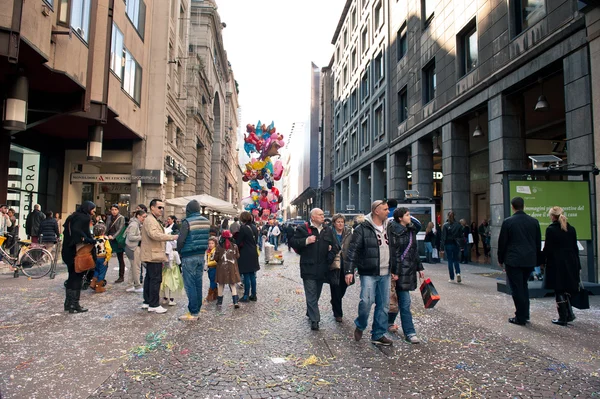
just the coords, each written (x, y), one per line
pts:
(581, 299)
(435, 254)
(429, 294)
(470, 238)
(84, 260)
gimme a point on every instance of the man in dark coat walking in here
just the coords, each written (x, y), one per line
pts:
(32, 224)
(317, 248)
(519, 251)
(289, 232)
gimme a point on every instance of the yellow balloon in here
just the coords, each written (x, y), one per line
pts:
(258, 165)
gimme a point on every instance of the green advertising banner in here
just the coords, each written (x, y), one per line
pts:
(572, 196)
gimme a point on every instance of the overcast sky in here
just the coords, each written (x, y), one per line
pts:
(270, 44)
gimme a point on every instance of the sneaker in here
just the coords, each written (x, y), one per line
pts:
(141, 289)
(145, 306)
(458, 278)
(158, 309)
(172, 302)
(413, 339)
(188, 317)
(130, 289)
(357, 334)
(393, 328)
(384, 341)
(450, 281)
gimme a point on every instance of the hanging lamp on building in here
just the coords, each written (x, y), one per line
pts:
(478, 132)
(542, 103)
(437, 150)
(94, 145)
(14, 117)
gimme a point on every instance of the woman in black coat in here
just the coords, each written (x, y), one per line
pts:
(248, 260)
(76, 231)
(561, 257)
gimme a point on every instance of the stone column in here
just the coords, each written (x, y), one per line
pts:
(344, 194)
(506, 152)
(354, 190)
(422, 167)
(456, 184)
(397, 173)
(191, 160)
(364, 190)
(579, 124)
(377, 181)
(337, 193)
(170, 193)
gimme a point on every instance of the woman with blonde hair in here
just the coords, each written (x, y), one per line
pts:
(429, 239)
(561, 257)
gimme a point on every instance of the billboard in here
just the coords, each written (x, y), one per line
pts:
(572, 196)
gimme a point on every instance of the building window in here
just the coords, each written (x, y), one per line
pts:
(378, 66)
(427, 7)
(378, 124)
(136, 12)
(467, 47)
(80, 18)
(337, 158)
(402, 105)
(429, 82)
(338, 124)
(354, 144)
(364, 85)
(50, 3)
(527, 13)
(337, 54)
(63, 12)
(378, 15)
(353, 102)
(345, 152)
(364, 133)
(116, 51)
(402, 42)
(132, 77)
(345, 76)
(364, 39)
(345, 38)
(345, 108)
(338, 92)
(353, 19)
(353, 60)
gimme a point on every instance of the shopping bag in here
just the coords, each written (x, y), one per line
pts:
(429, 294)
(470, 238)
(581, 299)
(435, 254)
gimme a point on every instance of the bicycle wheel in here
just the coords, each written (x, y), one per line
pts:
(36, 262)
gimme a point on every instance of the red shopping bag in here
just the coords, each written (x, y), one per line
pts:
(429, 294)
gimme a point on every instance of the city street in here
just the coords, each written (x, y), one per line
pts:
(266, 349)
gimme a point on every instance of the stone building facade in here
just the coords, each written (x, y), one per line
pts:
(463, 86)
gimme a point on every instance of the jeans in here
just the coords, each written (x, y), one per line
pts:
(212, 276)
(193, 268)
(337, 294)
(452, 255)
(249, 282)
(405, 315)
(374, 289)
(312, 290)
(152, 284)
(517, 281)
(100, 270)
(428, 248)
(274, 240)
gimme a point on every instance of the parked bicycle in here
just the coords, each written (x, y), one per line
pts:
(32, 261)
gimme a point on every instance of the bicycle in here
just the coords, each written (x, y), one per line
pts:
(35, 262)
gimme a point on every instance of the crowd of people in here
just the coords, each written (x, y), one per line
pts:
(380, 247)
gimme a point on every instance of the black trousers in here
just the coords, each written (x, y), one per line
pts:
(121, 264)
(75, 279)
(152, 284)
(517, 278)
(312, 290)
(337, 294)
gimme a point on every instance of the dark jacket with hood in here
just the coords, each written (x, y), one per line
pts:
(77, 231)
(194, 233)
(49, 230)
(405, 268)
(33, 221)
(315, 258)
(363, 251)
(246, 242)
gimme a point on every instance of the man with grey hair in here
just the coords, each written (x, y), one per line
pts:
(317, 247)
(32, 223)
(369, 252)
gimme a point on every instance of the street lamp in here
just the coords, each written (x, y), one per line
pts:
(437, 150)
(478, 132)
(15, 105)
(542, 103)
(94, 145)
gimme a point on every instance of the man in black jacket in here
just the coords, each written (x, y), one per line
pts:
(32, 223)
(317, 248)
(519, 249)
(369, 252)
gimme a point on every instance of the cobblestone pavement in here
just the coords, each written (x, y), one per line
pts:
(267, 350)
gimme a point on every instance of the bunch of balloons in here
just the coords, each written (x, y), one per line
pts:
(261, 143)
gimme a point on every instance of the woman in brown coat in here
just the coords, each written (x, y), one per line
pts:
(226, 255)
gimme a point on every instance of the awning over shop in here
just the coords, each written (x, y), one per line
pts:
(205, 200)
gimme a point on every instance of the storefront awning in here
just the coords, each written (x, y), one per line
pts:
(212, 203)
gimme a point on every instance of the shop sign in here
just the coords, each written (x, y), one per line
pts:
(436, 175)
(170, 161)
(99, 178)
(148, 176)
(115, 188)
(29, 186)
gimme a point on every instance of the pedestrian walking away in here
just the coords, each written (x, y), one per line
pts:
(32, 223)
(290, 230)
(317, 248)
(153, 252)
(192, 245)
(405, 264)
(561, 259)
(337, 279)
(116, 227)
(248, 261)
(369, 252)
(519, 251)
(452, 238)
(429, 241)
(77, 233)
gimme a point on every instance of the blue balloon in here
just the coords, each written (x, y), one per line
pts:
(255, 185)
(269, 167)
(258, 129)
(249, 148)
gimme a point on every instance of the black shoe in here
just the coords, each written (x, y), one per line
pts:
(314, 325)
(514, 320)
(244, 299)
(252, 298)
(339, 319)
(235, 302)
(119, 280)
(219, 300)
(357, 334)
(560, 322)
(384, 341)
